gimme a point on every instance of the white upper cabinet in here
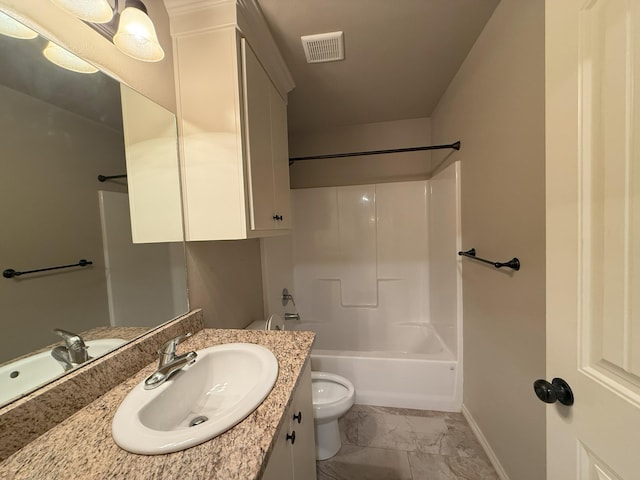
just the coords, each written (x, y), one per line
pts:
(151, 148)
(231, 86)
(267, 152)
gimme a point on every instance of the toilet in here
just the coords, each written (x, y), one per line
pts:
(333, 396)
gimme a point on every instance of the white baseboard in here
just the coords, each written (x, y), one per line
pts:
(485, 445)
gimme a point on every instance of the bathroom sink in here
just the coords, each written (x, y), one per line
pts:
(19, 377)
(225, 384)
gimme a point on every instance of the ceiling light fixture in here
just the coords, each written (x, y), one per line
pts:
(136, 35)
(131, 30)
(13, 28)
(67, 60)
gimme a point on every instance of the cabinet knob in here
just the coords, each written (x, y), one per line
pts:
(298, 417)
(278, 217)
(292, 437)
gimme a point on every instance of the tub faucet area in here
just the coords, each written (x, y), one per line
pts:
(169, 363)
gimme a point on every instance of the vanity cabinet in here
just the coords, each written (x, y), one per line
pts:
(295, 459)
(233, 125)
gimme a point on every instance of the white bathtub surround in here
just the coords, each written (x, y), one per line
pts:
(376, 274)
(361, 251)
(445, 291)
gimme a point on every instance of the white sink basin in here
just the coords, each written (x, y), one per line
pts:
(20, 377)
(224, 385)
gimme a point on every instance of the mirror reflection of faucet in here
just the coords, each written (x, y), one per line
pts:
(61, 355)
(73, 353)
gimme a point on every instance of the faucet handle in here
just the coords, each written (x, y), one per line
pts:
(68, 337)
(168, 350)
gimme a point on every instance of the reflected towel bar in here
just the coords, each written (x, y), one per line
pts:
(10, 272)
(103, 178)
(454, 146)
(514, 263)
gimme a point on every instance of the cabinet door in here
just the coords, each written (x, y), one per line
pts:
(257, 119)
(304, 450)
(280, 466)
(280, 158)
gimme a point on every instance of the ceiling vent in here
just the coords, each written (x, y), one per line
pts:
(323, 47)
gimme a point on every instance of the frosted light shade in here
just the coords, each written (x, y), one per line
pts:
(13, 28)
(94, 11)
(67, 60)
(136, 36)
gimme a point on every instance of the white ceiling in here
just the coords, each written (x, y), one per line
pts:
(400, 55)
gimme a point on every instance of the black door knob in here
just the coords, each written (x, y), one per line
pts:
(298, 416)
(292, 437)
(278, 217)
(557, 390)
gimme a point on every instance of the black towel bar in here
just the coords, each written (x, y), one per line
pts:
(514, 263)
(10, 272)
(104, 178)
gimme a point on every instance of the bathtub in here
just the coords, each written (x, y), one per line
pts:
(403, 365)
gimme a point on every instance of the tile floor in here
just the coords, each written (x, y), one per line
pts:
(380, 443)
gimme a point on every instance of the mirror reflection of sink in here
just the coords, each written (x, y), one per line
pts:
(22, 376)
(225, 384)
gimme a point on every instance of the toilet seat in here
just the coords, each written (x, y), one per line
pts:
(332, 395)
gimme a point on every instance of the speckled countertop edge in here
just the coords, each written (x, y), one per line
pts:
(26, 418)
(82, 444)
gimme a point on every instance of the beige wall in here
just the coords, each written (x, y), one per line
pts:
(366, 169)
(225, 280)
(50, 216)
(495, 105)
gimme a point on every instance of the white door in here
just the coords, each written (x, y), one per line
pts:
(593, 236)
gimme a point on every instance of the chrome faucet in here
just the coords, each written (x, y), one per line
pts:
(292, 316)
(73, 353)
(169, 363)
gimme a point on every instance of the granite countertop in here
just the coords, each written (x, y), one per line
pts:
(82, 446)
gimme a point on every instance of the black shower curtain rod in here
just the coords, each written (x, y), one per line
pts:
(455, 146)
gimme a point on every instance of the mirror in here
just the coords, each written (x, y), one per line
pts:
(59, 130)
